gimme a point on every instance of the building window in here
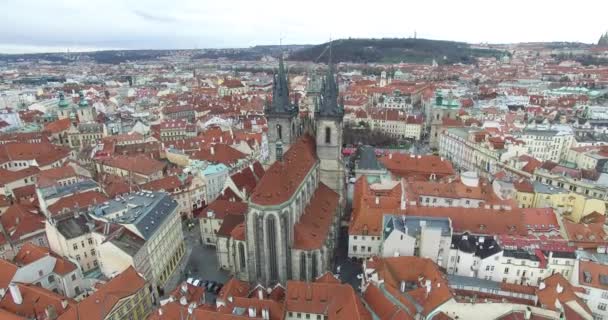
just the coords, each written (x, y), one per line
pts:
(51, 279)
(605, 295)
(506, 270)
(91, 241)
(327, 135)
(75, 246)
(92, 252)
(602, 306)
(354, 248)
(280, 132)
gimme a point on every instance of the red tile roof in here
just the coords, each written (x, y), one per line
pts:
(21, 220)
(43, 153)
(139, 164)
(418, 167)
(51, 176)
(126, 284)
(58, 126)
(7, 272)
(337, 301)
(548, 296)
(313, 228)
(30, 253)
(219, 153)
(414, 270)
(35, 302)
(222, 208)
(77, 201)
(8, 176)
(284, 177)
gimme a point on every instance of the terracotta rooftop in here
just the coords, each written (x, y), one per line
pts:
(418, 167)
(415, 270)
(77, 201)
(126, 284)
(30, 253)
(284, 177)
(21, 220)
(313, 228)
(139, 164)
(336, 301)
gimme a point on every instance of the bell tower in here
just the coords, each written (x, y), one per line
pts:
(282, 117)
(329, 114)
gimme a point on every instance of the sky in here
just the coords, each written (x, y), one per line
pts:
(84, 25)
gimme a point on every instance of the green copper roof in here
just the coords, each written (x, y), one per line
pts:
(83, 102)
(62, 102)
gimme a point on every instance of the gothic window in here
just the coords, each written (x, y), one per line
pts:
(242, 255)
(303, 266)
(327, 135)
(286, 238)
(293, 130)
(279, 132)
(272, 247)
(314, 265)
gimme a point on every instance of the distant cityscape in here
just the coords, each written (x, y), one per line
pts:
(355, 179)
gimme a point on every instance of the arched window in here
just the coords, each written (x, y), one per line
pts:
(303, 266)
(279, 132)
(327, 135)
(272, 247)
(314, 265)
(242, 255)
(293, 130)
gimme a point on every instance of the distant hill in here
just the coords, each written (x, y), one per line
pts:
(394, 51)
(249, 54)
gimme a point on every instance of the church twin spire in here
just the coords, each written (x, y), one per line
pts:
(280, 93)
(328, 104)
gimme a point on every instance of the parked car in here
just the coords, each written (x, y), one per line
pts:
(196, 282)
(203, 283)
(217, 288)
(189, 281)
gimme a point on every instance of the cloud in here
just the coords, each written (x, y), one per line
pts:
(153, 17)
(158, 24)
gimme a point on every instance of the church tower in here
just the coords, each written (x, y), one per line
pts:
(85, 112)
(329, 114)
(63, 111)
(282, 117)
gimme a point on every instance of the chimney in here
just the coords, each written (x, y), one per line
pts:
(377, 200)
(212, 149)
(390, 155)
(528, 313)
(402, 286)
(160, 311)
(184, 287)
(64, 303)
(183, 301)
(559, 288)
(260, 294)
(15, 293)
(541, 286)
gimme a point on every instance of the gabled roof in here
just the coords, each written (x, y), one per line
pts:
(126, 284)
(284, 177)
(337, 301)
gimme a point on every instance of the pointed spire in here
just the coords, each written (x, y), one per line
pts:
(329, 106)
(280, 91)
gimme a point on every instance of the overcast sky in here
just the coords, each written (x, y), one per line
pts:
(56, 25)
